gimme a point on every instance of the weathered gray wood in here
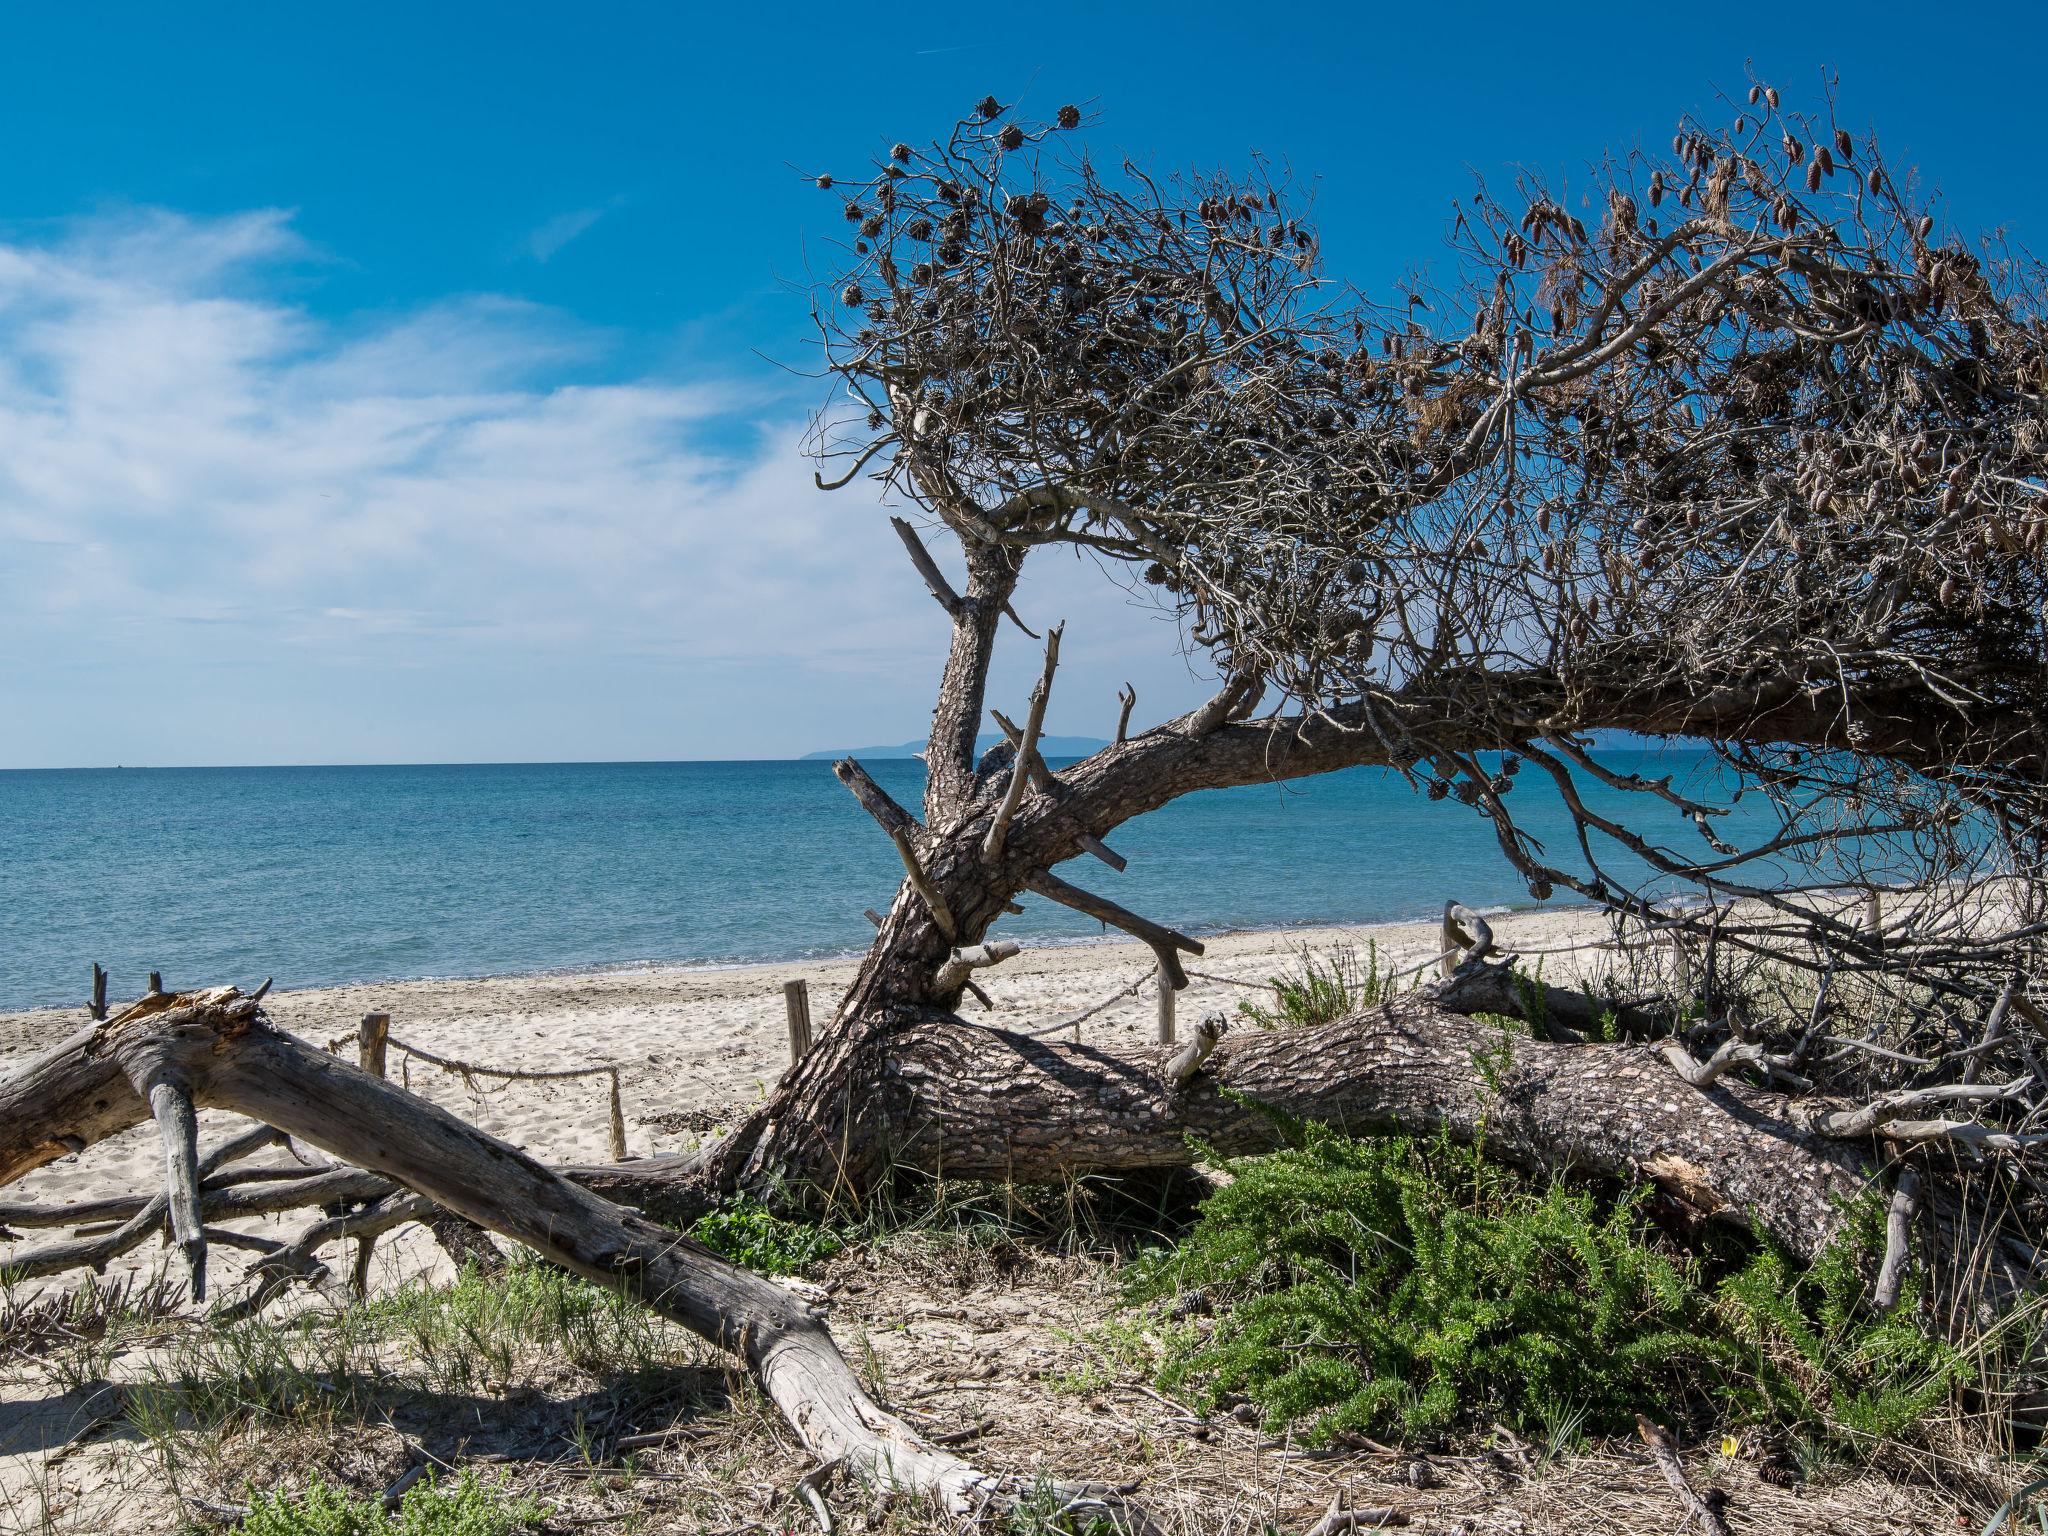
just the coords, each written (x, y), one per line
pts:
(1665, 1454)
(1466, 937)
(928, 893)
(1043, 780)
(953, 975)
(927, 567)
(97, 1006)
(170, 1105)
(1164, 941)
(1165, 1008)
(617, 1120)
(1034, 722)
(220, 1052)
(1898, 1241)
(1184, 1063)
(874, 799)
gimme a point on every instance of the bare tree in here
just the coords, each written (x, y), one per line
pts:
(1729, 445)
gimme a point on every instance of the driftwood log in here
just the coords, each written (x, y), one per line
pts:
(217, 1050)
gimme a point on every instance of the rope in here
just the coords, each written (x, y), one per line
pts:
(1129, 989)
(469, 1071)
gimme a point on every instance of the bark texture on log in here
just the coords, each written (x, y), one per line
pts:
(933, 1094)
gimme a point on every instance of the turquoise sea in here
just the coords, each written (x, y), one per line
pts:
(325, 875)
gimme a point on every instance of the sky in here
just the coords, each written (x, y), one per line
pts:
(389, 383)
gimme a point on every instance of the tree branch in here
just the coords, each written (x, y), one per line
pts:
(927, 567)
(920, 883)
(223, 1054)
(1163, 940)
(992, 845)
(874, 799)
(953, 975)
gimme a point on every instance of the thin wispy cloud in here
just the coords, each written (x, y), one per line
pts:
(548, 240)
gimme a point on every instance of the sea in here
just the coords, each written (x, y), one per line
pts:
(318, 876)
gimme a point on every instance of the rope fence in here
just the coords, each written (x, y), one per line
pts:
(469, 1071)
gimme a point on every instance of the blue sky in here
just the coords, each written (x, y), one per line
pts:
(393, 383)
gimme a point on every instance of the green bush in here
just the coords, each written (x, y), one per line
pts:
(466, 1507)
(1321, 990)
(1396, 1287)
(1809, 1350)
(1387, 1285)
(748, 1233)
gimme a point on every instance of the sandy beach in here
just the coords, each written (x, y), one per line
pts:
(695, 1048)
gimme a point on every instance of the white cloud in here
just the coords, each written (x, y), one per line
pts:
(543, 244)
(372, 536)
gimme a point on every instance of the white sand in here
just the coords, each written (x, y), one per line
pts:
(696, 1049)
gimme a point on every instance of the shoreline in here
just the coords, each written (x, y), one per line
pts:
(1205, 934)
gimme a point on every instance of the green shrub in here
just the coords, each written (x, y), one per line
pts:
(748, 1233)
(1811, 1351)
(1321, 990)
(465, 1507)
(1388, 1285)
(1395, 1287)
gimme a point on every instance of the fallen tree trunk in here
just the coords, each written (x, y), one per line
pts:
(217, 1050)
(933, 1094)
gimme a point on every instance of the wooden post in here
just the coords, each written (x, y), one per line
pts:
(618, 1121)
(796, 998)
(98, 1005)
(1165, 1009)
(156, 982)
(370, 1044)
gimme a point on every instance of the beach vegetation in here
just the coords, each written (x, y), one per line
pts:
(745, 1231)
(1403, 1287)
(464, 1505)
(1321, 988)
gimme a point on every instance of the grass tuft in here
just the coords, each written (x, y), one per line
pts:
(1322, 989)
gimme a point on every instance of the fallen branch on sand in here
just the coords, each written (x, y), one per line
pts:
(217, 1050)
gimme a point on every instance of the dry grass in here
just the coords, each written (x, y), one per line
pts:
(964, 1326)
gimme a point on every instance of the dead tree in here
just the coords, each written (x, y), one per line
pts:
(1731, 446)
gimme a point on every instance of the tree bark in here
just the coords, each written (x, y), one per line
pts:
(932, 1094)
